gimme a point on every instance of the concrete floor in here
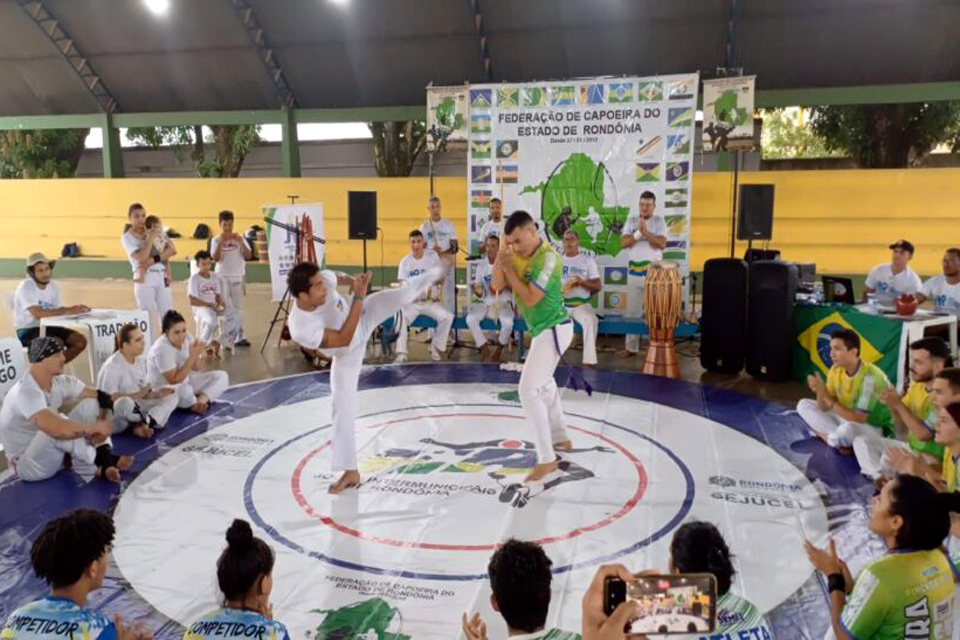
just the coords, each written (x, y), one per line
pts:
(250, 365)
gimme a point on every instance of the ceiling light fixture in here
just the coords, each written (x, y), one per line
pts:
(157, 7)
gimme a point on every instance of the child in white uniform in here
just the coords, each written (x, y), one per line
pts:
(206, 302)
(230, 251)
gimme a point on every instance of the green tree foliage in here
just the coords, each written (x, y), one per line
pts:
(230, 145)
(888, 135)
(785, 135)
(42, 153)
(396, 145)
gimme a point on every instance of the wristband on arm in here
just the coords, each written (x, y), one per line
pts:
(104, 400)
(836, 582)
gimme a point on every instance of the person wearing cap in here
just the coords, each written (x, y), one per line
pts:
(38, 439)
(38, 297)
(891, 280)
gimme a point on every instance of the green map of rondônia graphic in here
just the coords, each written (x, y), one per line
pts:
(573, 195)
(356, 621)
(727, 110)
(447, 116)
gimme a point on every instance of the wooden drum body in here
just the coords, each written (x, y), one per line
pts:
(662, 295)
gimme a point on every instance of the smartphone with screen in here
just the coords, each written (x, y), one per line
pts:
(669, 604)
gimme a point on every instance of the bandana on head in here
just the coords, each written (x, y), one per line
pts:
(43, 348)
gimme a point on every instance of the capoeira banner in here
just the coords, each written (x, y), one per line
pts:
(578, 154)
(282, 240)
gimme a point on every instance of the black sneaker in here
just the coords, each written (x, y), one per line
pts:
(243, 343)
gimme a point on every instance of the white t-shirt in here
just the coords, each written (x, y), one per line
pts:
(584, 267)
(945, 296)
(642, 251)
(438, 232)
(889, 286)
(411, 267)
(155, 272)
(307, 327)
(29, 294)
(483, 276)
(119, 376)
(491, 227)
(231, 264)
(164, 357)
(205, 289)
(24, 400)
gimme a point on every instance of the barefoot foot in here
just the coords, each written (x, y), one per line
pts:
(541, 471)
(348, 480)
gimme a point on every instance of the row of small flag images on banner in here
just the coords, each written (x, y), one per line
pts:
(593, 93)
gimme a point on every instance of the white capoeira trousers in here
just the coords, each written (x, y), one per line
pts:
(125, 414)
(233, 291)
(587, 319)
(347, 362)
(211, 383)
(831, 427)
(635, 286)
(430, 309)
(539, 394)
(44, 456)
(480, 311)
(154, 298)
(208, 324)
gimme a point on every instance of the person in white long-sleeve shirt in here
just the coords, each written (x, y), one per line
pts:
(891, 280)
(492, 305)
(581, 279)
(418, 261)
(175, 360)
(125, 375)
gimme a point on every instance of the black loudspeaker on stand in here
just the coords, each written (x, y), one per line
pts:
(723, 321)
(362, 218)
(772, 287)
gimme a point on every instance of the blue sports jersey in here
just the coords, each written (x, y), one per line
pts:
(235, 623)
(58, 618)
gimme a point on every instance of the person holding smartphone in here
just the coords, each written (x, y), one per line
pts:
(909, 590)
(698, 547)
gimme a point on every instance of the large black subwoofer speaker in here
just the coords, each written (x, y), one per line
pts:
(723, 322)
(772, 289)
(362, 215)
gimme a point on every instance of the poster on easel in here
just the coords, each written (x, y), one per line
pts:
(282, 240)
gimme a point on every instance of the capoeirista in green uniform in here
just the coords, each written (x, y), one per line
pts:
(544, 270)
(908, 593)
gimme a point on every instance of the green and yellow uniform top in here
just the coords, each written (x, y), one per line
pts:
(920, 403)
(905, 594)
(949, 470)
(861, 392)
(543, 270)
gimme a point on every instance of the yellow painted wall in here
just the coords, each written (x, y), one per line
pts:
(842, 220)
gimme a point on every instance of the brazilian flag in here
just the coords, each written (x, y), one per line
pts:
(879, 339)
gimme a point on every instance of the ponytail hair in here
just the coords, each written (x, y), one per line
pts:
(925, 512)
(171, 319)
(244, 563)
(698, 547)
(123, 336)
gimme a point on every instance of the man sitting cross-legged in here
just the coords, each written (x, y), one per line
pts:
(37, 438)
(849, 404)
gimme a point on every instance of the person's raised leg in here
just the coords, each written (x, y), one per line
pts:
(344, 378)
(379, 306)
